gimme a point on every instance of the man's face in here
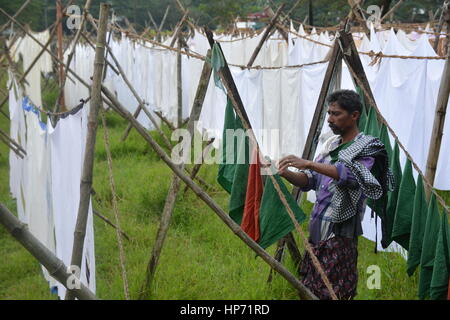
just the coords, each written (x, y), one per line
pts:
(339, 120)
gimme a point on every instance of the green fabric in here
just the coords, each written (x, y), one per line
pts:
(405, 207)
(363, 118)
(217, 62)
(393, 196)
(226, 170)
(335, 153)
(274, 220)
(428, 248)
(240, 180)
(372, 127)
(233, 176)
(419, 220)
(384, 137)
(441, 266)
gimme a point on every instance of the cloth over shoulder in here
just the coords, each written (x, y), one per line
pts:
(345, 200)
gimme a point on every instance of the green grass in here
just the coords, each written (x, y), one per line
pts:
(201, 259)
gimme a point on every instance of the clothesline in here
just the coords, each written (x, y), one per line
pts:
(201, 57)
(370, 54)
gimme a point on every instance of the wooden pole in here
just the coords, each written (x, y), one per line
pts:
(18, 12)
(198, 162)
(135, 94)
(235, 228)
(95, 105)
(107, 221)
(178, 28)
(22, 78)
(265, 35)
(173, 192)
(439, 118)
(61, 101)
(179, 85)
(161, 234)
(54, 265)
(392, 10)
(439, 28)
(152, 20)
(165, 120)
(158, 34)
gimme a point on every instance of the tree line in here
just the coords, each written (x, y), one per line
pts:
(40, 14)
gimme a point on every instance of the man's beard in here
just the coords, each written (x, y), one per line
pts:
(336, 130)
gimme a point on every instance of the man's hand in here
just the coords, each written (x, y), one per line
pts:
(292, 161)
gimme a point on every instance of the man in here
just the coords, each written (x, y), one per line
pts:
(342, 178)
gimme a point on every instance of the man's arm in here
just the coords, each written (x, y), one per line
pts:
(298, 179)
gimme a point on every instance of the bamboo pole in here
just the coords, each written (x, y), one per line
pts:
(200, 94)
(44, 48)
(18, 12)
(135, 94)
(357, 14)
(198, 162)
(161, 234)
(60, 102)
(165, 120)
(178, 28)
(179, 85)
(152, 20)
(235, 228)
(40, 252)
(439, 118)
(17, 148)
(173, 192)
(86, 179)
(440, 25)
(392, 10)
(158, 34)
(265, 35)
(110, 65)
(108, 222)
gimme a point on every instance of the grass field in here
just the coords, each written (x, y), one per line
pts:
(201, 259)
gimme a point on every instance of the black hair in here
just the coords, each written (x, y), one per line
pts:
(348, 100)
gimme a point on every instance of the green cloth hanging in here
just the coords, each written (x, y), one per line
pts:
(441, 266)
(384, 137)
(274, 220)
(419, 220)
(226, 170)
(428, 248)
(363, 118)
(405, 207)
(240, 180)
(217, 63)
(372, 127)
(392, 196)
(233, 176)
